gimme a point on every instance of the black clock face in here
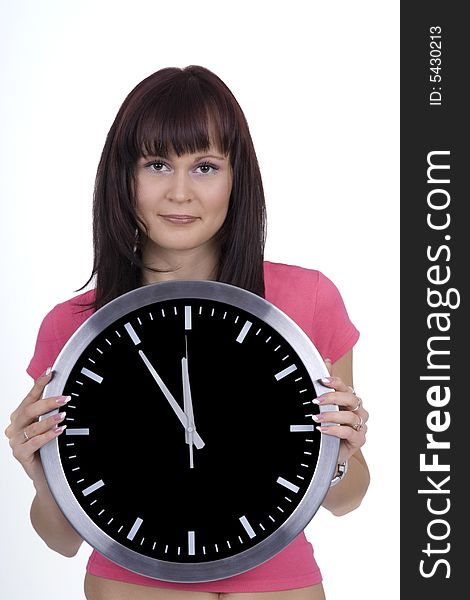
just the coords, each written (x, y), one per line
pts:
(189, 437)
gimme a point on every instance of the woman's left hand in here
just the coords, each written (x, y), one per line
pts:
(349, 423)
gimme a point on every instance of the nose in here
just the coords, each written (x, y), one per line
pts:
(179, 188)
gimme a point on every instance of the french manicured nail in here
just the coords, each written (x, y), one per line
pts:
(61, 400)
(323, 428)
(59, 417)
(59, 429)
(47, 372)
(326, 379)
(316, 418)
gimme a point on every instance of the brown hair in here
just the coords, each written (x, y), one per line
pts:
(182, 110)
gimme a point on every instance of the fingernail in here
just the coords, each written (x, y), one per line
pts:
(59, 417)
(61, 400)
(326, 379)
(315, 401)
(59, 429)
(316, 418)
(323, 428)
(47, 372)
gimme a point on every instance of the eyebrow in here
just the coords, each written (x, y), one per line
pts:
(217, 157)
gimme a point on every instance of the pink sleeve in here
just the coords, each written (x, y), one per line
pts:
(47, 347)
(333, 332)
(56, 328)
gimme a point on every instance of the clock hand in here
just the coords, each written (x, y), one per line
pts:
(187, 405)
(187, 399)
(188, 409)
(171, 400)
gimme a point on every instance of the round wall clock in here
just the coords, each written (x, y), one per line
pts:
(190, 452)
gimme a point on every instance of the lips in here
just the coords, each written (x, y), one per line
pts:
(179, 219)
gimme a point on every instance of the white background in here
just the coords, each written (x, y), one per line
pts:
(318, 82)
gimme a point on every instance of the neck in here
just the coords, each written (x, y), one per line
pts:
(188, 264)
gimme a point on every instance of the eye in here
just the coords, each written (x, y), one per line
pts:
(158, 166)
(207, 168)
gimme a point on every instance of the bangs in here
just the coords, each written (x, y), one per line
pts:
(184, 118)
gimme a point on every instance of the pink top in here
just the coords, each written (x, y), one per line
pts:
(311, 300)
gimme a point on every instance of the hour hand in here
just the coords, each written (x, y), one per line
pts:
(171, 400)
(187, 400)
(191, 432)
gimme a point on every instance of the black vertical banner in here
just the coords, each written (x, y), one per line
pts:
(435, 323)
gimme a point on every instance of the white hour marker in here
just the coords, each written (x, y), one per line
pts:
(287, 484)
(83, 431)
(248, 528)
(132, 333)
(187, 318)
(285, 372)
(191, 545)
(300, 428)
(134, 529)
(91, 375)
(93, 487)
(244, 331)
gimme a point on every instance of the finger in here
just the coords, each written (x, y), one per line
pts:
(362, 414)
(37, 390)
(27, 414)
(347, 400)
(355, 438)
(359, 409)
(24, 452)
(41, 407)
(340, 417)
(36, 429)
(336, 383)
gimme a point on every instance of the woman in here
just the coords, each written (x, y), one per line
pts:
(179, 195)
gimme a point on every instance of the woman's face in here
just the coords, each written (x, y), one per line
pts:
(183, 201)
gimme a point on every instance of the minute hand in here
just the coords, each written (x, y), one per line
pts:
(171, 400)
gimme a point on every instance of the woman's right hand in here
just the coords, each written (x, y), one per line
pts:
(26, 434)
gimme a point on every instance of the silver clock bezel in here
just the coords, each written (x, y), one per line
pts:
(265, 549)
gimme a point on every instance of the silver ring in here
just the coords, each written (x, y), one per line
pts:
(359, 404)
(26, 436)
(359, 425)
